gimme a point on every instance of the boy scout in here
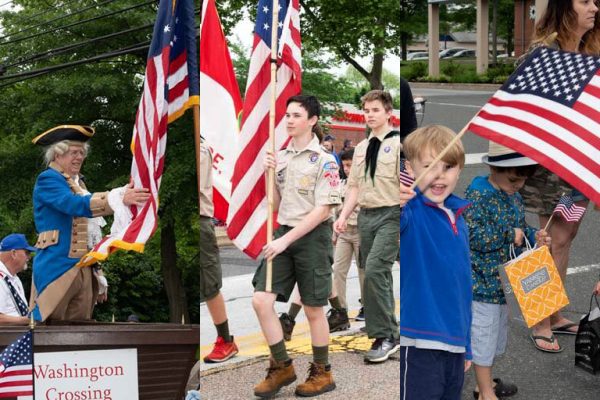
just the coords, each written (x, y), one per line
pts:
(347, 245)
(374, 184)
(307, 183)
(210, 265)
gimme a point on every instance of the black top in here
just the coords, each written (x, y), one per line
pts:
(408, 116)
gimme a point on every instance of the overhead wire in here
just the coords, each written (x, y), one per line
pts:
(23, 19)
(60, 50)
(76, 12)
(77, 23)
(5, 4)
(42, 71)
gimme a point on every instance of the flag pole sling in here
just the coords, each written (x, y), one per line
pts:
(271, 171)
(196, 109)
(440, 156)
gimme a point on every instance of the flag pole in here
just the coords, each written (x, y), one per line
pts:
(196, 109)
(31, 328)
(271, 172)
(552, 215)
(440, 156)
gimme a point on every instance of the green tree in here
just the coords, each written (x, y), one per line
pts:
(316, 79)
(464, 17)
(104, 94)
(413, 22)
(350, 32)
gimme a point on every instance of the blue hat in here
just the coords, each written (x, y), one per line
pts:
(15, 241)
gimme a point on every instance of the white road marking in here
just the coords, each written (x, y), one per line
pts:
(583, 268)
(454, 105)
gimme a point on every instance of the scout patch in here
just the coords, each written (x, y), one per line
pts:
(334, 197)
(314, 156)
(331, 165)
(333, 178)
(281, 176)
(306, 182)
(387, 149)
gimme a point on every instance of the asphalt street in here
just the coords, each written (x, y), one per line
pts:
(538, 375)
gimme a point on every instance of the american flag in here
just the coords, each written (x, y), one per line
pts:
(247, 218)
(568, 209)
(16, 368)
(405, 178)
(171, 86)
(549, 110)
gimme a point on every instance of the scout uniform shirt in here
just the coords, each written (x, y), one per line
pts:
(305, 179)
(206, 187)
(383, 191)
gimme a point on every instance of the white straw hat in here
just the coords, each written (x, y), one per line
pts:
(500, 156)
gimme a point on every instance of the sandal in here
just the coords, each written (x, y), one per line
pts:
(566, 329)
(550, 340)
(501, 390)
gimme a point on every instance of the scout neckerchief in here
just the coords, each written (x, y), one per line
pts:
(22, 307)
(373, 151)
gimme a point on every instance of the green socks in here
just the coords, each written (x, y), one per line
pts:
(294, 310)
(278, 351)
(335, 303)
(321, 354)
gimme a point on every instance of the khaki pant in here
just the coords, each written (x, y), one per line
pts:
(79, 299)
(347, 246)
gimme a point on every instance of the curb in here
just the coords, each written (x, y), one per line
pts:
(456, 86)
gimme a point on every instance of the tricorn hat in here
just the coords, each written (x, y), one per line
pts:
(80, 133)
(500, 156)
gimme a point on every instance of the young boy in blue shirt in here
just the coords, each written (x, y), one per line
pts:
(435, 271)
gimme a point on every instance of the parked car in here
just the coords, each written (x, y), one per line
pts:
(447, 53)
(419, 55)
(464, 54)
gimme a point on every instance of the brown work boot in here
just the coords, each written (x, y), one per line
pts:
(279, 374)
(319, 381)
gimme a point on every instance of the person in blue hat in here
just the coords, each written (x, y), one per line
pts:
(15, 253)
(68, 220)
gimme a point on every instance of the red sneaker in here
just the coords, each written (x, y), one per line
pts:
(222, 351)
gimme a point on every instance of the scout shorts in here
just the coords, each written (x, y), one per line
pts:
(210, 265)
(307, 261)
(543, 190)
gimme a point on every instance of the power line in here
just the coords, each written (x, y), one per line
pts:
(5, 4)
(77, 23)
(76, 12)
(42, 71)
(60, 50)
(22, 19)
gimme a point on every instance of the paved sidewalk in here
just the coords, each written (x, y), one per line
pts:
(235, 379)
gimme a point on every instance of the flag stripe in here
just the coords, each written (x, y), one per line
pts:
(171, 85)
(536, 151)
(247, 208)
(553, 137)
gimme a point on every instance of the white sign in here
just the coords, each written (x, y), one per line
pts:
(86, 375)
